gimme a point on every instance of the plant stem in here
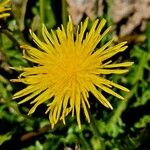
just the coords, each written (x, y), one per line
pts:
(30, 135)
(64, 13)
(96, 131)
(119, 110)
(93, 125)
(11, 37)
(42, 15)
(148, 36)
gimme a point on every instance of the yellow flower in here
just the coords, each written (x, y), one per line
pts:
(69, 66)
(3, 9)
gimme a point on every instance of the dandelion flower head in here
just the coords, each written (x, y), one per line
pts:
(3, 9)
(69, 67)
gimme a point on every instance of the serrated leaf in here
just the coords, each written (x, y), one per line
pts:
(142, 122)
(144, 99)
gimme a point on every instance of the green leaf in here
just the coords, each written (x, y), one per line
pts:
(5, 137)
(142, 122)
(143, 99)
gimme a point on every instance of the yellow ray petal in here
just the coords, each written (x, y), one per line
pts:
(99, 96)
(26, 91)
(85, 110)
(110, 54)
(77, 107)
(110, 71)
(44, 96)
(125, 64)
(108, 90)
(30, 96)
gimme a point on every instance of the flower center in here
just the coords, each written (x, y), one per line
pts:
(71, 66)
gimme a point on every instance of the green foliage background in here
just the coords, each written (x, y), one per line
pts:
(127, 127)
